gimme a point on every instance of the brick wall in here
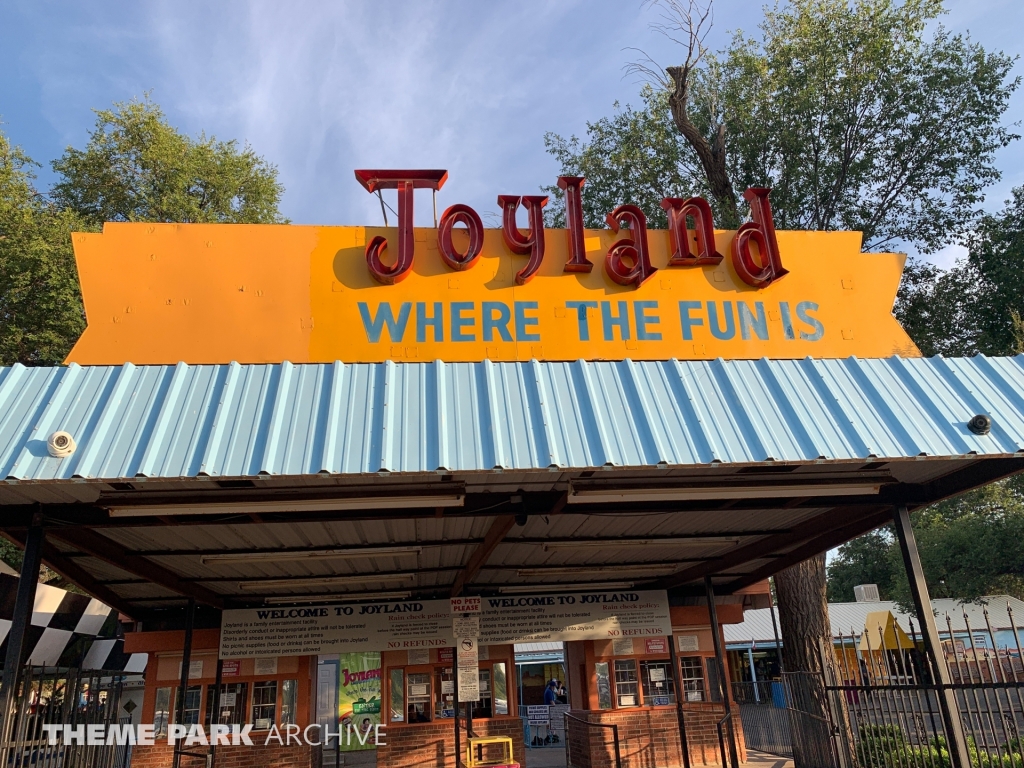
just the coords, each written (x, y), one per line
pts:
(259, 756)
(649, 738)
(432, 745)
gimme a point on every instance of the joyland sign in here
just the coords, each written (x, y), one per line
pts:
(214, 293)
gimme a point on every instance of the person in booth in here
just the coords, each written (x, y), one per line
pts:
(551, 693)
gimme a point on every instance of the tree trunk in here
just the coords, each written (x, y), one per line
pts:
(809, 660)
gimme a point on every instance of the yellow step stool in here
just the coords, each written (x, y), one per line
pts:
(481, 745)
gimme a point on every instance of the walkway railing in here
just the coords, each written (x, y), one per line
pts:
(587, 725)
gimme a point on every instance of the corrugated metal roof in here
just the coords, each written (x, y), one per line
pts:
(292, 420)
(849, 618)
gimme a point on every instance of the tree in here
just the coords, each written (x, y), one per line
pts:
(632, 157)
(40, 306)
(997, 255)
(856, 120)
(137, 167)
(849, 113)
(969, 545)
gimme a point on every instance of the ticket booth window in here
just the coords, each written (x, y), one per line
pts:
(604, 685)
(397, 695)
(500, 693)
(193, 704)
(482, 708)
(289, 688)
(714, 684)
(656, 679)
(230, 707)
(162, 712)
(264, 704)
(626, 683)
(419, 709)
(692, 676)
(444, 692)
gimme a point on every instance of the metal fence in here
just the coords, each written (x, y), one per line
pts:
(879, 706)
(765, 718)
(67, 697)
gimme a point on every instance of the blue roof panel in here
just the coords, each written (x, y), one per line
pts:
(292, 420)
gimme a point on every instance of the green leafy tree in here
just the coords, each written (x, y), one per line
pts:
(40, 306)
(137, 167)
(858, 120)
(997, 257)
(969, 545)
(635, 157)
(852, 115)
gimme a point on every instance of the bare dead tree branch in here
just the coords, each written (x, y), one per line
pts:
(688, 23)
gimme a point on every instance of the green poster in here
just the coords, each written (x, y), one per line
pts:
(359, 697)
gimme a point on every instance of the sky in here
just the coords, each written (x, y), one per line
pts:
(322, 88)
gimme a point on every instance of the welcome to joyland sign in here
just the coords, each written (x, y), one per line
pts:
(211, 293)
(419, 624)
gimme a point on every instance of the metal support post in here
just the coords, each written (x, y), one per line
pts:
(720, 663)
(455, 699)
(940, 673)
(775, 630)
(186, 660)
(753, 672)
(677, 681)
(215, 709)
(23, 603)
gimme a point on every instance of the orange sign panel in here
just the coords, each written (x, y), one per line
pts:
(209, 293)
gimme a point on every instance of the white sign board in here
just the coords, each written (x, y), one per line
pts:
(469, 669)
(538, 714)
(265, 666)
(557, 713)
(466, 625)
(688, 643)
(423, 624)
(195, 669)
(622, 646)
(419, 656)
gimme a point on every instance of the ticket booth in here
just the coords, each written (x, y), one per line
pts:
(419, 688)
(630, 683)
(272, 694)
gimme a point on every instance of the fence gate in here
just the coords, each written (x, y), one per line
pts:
(881, 706)
(66, 697)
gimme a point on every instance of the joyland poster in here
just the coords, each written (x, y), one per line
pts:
(359, 695)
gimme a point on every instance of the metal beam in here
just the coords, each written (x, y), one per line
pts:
(525, 540)
(758, 549)
(56, 561)
(723, 684)
(111, 552)
(498, 530)
(23, 603)
(494, 536)
(818, 544)
(937, 658)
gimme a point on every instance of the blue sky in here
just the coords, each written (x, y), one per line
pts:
(321, 88)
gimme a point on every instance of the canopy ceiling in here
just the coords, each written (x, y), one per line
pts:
(237, 484)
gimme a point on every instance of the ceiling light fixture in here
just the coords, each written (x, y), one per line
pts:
(309, 554)
(307, 505)
(605, 567)
(343, 598)
(551, 546)
(567, 587)
(325, 581)
(632, 495)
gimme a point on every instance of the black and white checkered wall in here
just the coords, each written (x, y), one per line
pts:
(68, 630)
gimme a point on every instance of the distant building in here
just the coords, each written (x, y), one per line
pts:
(752, 643)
